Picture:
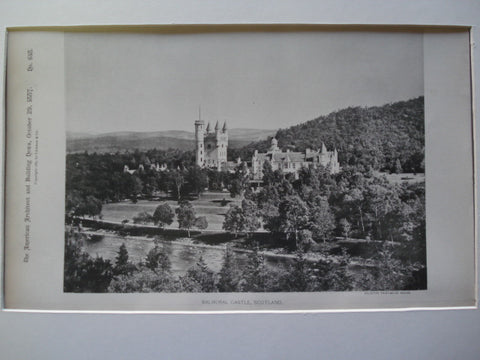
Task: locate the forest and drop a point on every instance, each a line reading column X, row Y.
column 385, row 138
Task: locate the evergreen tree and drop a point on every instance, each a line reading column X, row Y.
column 254, row 277
column 200, row 278
column 299, row 277
column 228, row 275
column 82, row 273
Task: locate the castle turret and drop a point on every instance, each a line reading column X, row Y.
column 274, row 145
column 217, row 130
column 324, row 148
column 211, row 147
column 199, row 148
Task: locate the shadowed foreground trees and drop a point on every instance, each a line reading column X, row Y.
column 237, row 273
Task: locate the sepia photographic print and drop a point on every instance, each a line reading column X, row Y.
column 244, row 162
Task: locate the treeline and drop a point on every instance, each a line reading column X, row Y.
column 319, row 206
column 386, row 138
column 154, row 273
column 94, row 179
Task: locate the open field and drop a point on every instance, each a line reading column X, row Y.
column 209, row 205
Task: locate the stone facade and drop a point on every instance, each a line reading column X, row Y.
column 211, row 151
column 292, row 162
column 211, row 146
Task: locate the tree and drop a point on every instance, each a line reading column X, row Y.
column 197, row 180
column 200, row 278
column 293, row 216
column 137, row 188
column 185, row 216
column 268, row 174
column 239, row 180
column 228, row 274
column 398, row 167
column 355, row 198
column 251, row 216
column 122, row 265
column 163, row 215
column 234, row 221
column 389, row 273
column 91, row 206
column 216, row 179
column 73, row 204
column 254, row 277
column 178, row 180
column 270, row 215
column 345, row 227
column 299, row 277
column 142, row 217
column 245, row 219
column 305, row 240
column 322, row 221
column 83, row 273
column 380, row 199
column 122, row 256
column 201, row 222
column 144, row 281
column 157, row 261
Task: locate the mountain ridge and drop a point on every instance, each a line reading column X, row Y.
column 143, row 140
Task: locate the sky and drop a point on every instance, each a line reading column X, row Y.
column 157, row 82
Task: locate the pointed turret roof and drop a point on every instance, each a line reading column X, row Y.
column 216, row 126
column 324, row 149
column 208, row 127
column 224, row 126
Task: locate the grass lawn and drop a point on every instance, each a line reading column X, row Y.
column 209, row 205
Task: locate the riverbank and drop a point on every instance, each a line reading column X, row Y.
column 185, row 241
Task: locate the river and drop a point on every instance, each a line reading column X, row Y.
column 183, row 253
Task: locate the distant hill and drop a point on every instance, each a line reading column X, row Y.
column 162, row 140
column 383, row 137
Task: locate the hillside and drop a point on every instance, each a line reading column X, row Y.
column 376, row 136
column 161, row 140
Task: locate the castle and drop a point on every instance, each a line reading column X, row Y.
column 211, row 151
column 211, row 146
column 291, row 161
